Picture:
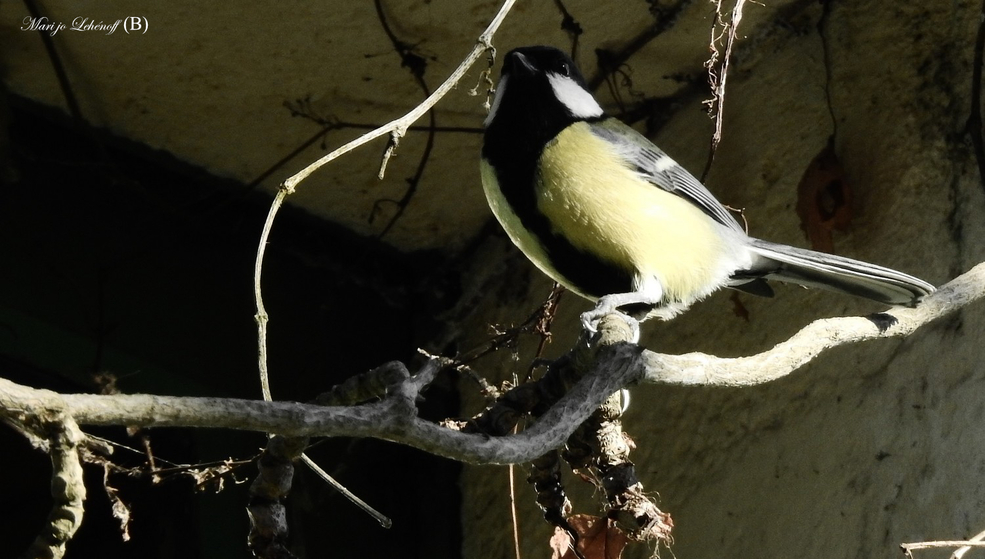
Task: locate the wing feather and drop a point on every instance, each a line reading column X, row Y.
column 659, row 169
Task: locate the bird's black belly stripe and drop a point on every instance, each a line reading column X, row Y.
column 587, row 273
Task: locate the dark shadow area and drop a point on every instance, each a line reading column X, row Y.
column 121, row 263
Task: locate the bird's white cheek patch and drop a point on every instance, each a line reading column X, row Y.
column 580, row 103
column 500, row 89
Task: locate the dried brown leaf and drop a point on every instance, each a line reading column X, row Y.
column 121, row 511
column 598, row 538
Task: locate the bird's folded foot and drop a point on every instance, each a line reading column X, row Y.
column 590, row 321
column 610, row 304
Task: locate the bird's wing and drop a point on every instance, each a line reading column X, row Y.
column 660, row 169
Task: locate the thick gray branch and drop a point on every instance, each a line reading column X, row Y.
column 395, row 417
column 392, row 419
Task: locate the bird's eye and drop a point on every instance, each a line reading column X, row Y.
column 564, row 69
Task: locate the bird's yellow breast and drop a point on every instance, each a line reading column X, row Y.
column 605, row 208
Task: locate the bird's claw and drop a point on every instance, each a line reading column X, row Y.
column 590, row 321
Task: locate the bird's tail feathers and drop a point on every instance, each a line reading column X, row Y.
column 837, row 273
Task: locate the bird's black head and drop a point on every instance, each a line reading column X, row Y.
column 539, row 93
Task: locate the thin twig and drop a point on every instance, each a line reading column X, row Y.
column 261, row 315
column 909, row 547
column 539, row 322
column 546, row 314
column 330, row 125
column 571, row 26
column 413, row 182
column 378, row 516
column 482, row 45
column 717, row 80
column 301, row 108
column 287, row 158
column 611, row 61
column 513, row 514
column 417, row 65
column 444, row 129
column 960, row 552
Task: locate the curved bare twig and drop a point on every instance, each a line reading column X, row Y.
column 396, row 129
column 816, row 337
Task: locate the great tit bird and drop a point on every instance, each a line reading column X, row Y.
column 604, row 212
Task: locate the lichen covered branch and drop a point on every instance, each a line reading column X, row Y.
column 395, row 419
column 812, row 340
column 62, row 438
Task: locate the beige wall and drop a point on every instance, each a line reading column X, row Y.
column 869, row 446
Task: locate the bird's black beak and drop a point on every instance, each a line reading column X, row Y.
column 517, row 62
